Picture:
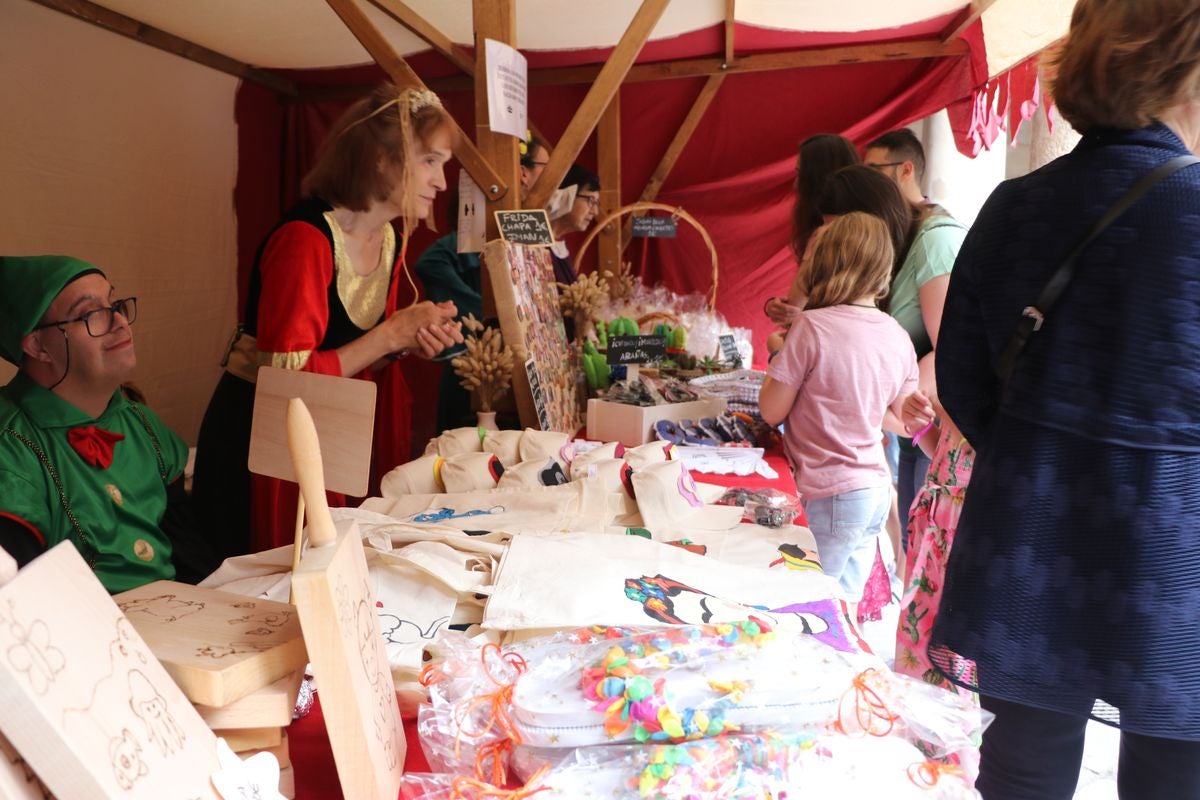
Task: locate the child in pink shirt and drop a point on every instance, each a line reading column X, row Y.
column 844, row 365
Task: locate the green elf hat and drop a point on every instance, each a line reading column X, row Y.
column 28, row 285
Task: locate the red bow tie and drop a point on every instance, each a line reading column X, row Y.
column 94, row 445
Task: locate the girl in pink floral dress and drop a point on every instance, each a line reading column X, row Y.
column 932, row 522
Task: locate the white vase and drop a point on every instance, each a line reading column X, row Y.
column 487, row 420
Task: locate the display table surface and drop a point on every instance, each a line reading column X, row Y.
column 308, row 743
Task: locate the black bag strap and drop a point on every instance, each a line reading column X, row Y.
column 1034, row 315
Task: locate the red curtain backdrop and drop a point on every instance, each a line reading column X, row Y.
column 735, row 176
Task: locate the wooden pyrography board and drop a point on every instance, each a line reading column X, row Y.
column 271, row 705
column 343, row 410
column 358, row 696
column 532, row 324
column 84, row 700
column 17, row 779
column 218, row 646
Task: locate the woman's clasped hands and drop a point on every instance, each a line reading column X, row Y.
column 426, row 326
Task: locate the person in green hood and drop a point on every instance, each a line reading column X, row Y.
column 79, row 461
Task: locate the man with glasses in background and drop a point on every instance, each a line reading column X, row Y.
column 575, row 219
column 899, row 155
column 78, row 460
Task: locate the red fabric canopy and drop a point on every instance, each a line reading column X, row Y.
column 735, row 176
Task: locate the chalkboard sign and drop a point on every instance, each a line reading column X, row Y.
column 636, row 349
column 656, row 227
column 729, row 349
column 531, row 227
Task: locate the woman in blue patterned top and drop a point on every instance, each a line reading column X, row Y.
column 1074, row 584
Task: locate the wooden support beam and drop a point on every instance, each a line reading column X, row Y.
column 496, row 20
column 607, row 82
column 675, row 148
column 729, row 50
column 410, row 19
column 759, row 62
column 701, row 67
column 971, row 13
column 403, row 76
column 608, row 153
column 140, row 32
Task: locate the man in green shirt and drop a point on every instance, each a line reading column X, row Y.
column 79, row 461
column 919, row 287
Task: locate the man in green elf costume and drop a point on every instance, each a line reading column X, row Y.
column 78, row 460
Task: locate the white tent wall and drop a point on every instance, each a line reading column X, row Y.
column 958, row 182
column 125, row 156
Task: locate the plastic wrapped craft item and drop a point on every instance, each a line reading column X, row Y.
column 466, row 728
column 760, row 766
column 445, row 786
column 679, row 683
column 598, row 686
column 945, row 726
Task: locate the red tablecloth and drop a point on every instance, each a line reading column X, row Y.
column 308, row 744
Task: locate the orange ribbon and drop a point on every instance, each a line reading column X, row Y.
column 498, row 704
column 926, row 774
column 463, row 788
column 868, row 707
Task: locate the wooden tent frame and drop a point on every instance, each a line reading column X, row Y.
column 491, row 159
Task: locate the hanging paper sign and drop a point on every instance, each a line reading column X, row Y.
column 472, row 219
column 729, row 349
column 531, row 227
column 561, row 202
column 655, row 227
column 636, row 349
column 507, row 89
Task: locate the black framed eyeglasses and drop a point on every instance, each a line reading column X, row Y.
column 592, row 200
column 884, row 164
column 99, row 321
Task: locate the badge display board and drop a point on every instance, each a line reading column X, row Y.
column 532, row 324
column 86, row 703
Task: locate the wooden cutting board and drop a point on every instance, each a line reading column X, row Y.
column 343, row 410
column 269, row 706
column 17, row 779
column 280, row 751
column 242, row 740
column 84, row 700
column 337, row 611
column 218, row 646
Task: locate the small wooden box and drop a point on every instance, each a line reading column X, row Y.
column 633, row 425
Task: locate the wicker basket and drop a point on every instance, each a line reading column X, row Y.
column 676, row 213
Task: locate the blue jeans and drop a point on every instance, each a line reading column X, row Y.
column 845, row 527
column 914, row 464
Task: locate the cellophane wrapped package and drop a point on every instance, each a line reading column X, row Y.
column 569, row 699
column 760, row 766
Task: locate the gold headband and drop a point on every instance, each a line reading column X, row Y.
column 418, row 99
